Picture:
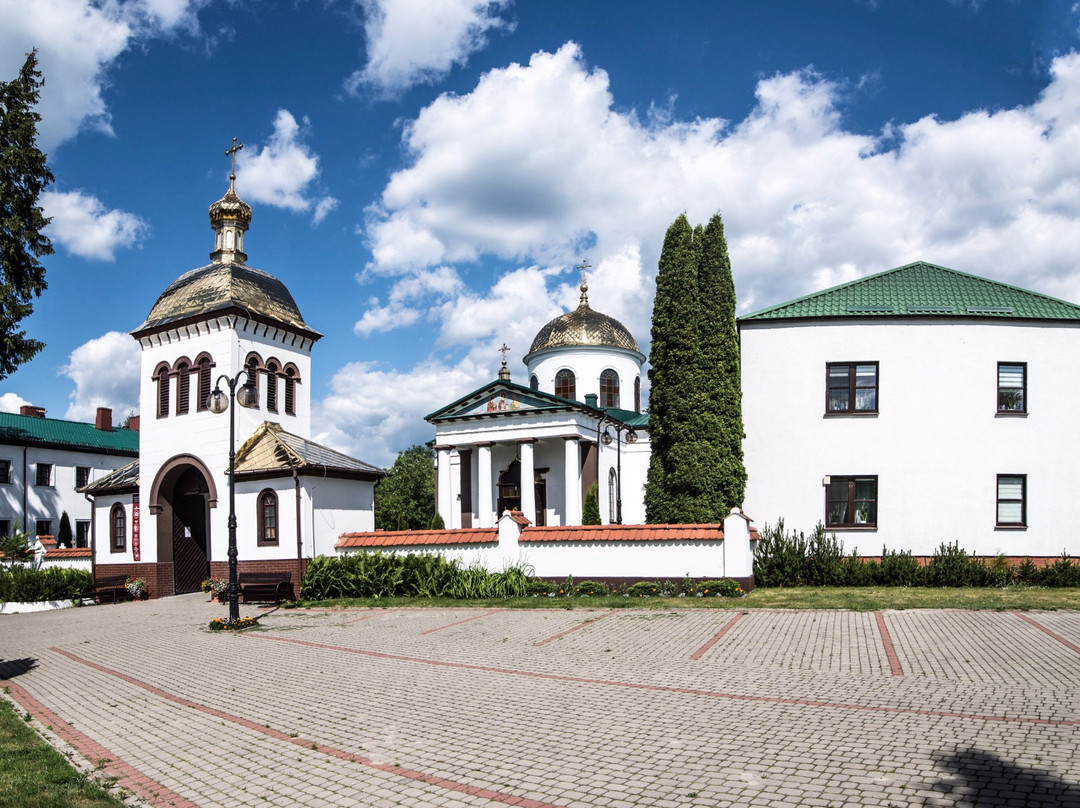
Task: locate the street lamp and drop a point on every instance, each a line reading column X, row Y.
column 607, row 438
column 247, row 396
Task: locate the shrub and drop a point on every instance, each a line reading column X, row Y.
column 725, row 588
column 780, row 557
column 1063, row 572
column 591, row 589
column 823, row 564
column 643, row 589
column 950, row 566
column 28, row 585
column 898, row 568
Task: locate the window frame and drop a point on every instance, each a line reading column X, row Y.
column 998, row 502
column 203, row 366
column 1022, row 409
column 267, row 495
column 852, row 388
column 608, row 392
column 82, row 526
column 117, row 519
column 49, row 472
column 84, row 472
column 851, row 481
column 48, row 531
column 569, row 389
column 5, row 471
column 5, row 527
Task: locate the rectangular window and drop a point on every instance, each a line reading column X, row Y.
column 1012, row 500
column 852, row 387
column 44, row 474
column 1012, row 387
column 44, row 527
column 851, row 502
column 82, row 476
column 5, row 472
column 82, row 533
column 5, row 527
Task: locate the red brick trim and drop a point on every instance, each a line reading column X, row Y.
column 890, row 650
column 578, row 627
column 699, row 653
column 459, row 622
column 1048, row 632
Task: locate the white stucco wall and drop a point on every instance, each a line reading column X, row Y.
column 937, row 443
column 587, row 363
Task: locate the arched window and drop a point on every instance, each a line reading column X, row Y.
column 183, row 387
column 292, row 376
column 118, row 528
column 268, row 517
column 253, row 364
column 205, row 364
column 534, row 383
column 565, row 384
column 609, row 389
column 612, row 487
column 637, row 394
column 161, row 376
column 271, row 385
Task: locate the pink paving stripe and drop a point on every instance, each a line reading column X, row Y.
column 308, row 743
column 373, row 614
column 459, row 622
column 578, row 627
column 1048, row 632
column 126, row 775
column 890, row 649
column 699, row 653
column 686, row 691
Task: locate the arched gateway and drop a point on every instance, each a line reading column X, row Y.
column 182, row 495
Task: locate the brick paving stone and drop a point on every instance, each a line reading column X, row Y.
column 461, row 707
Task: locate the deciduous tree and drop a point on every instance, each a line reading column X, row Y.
column 405, row 499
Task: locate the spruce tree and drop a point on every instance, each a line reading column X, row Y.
column 696, row 474
column 63, row 535
column 24, row 174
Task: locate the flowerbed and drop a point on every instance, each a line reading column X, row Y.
column 239, row 624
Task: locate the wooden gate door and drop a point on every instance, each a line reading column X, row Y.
column 190, row 564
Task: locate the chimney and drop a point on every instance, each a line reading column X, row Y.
column 104, row 419
column 32, row 411
column 591, row 400
column 133, row 423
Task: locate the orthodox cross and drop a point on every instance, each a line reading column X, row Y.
column 583, row 266
column 231, row 153
column 503, row 351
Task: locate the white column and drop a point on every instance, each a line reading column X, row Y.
column 484, row 484
column 446, row 493
column 571, row 482
column 528, row 486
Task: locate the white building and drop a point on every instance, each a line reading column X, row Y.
column 540, row 448
column 166, row 518
column 45, row 461
column 913, row 407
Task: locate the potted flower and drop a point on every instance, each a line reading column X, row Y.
column 136, row 587
column 218, row 587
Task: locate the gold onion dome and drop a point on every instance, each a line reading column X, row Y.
column 584, row 327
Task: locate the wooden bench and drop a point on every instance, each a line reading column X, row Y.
column 112, row 588
column 274, row 586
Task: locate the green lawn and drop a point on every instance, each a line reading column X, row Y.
column 855, row 598
column 34, row 775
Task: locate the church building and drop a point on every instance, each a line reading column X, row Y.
column 540, row 448
column 223, row 335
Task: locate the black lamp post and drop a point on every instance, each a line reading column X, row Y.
column 247, row 396
column 607, row 438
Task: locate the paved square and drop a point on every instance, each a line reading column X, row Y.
column 616, row 708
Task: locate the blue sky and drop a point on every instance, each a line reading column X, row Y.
column 424, row 175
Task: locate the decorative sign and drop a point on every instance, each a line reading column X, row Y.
column 503, row 402
column 135, row 525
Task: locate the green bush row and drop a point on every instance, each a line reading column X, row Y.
column 642, row 589
column 377, row 574
column 21, row 584
column 794, row 559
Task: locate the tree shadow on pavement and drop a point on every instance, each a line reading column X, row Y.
column 10, row 668
column 983, row 779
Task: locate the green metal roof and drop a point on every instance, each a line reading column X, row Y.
column 922, row 290
column 26, row 430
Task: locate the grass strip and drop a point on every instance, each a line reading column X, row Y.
column 34, row 775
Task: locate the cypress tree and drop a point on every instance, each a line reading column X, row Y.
column 696, row 473
column 23, row 176
column 721, row 371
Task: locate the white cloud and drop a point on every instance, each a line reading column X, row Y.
column 282, row 172
column 12, row 402
column 494, row 178
column 77, row 41
column 419, row 41
column 106, row 374
column 84, row 227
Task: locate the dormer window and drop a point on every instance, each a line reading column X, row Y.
column 565, row 384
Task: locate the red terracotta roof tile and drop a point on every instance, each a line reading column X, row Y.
column 520, row 518
column 418, row 538
column 623, row 533
column 67, row 552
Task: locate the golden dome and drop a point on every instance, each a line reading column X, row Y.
column 221, row 287
column 584, row 327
